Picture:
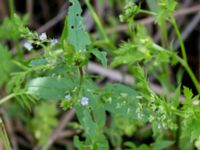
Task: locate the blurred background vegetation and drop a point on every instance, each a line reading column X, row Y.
column 47, row 124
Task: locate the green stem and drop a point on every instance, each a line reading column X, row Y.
column 184, row 64
column 96, row 19
column 12, row 8
column 147, row 12
column 20, row 65
column 103, row 43
column 163, row 28
column 131, row 29
column 190, row 73
column 5, row 99
column 183, row 50
column 4, row 137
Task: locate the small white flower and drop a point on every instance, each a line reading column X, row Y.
column 53, row 42
column 43, row 36
column 195, row 102
column 68, row 97
column 28, row 46
column 84, row 101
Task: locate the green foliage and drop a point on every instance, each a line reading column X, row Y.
column 78, row 37
column 129, row 12
column 44, row 122
column 13, row 28
column 4, row 137
column 108, row 113
column 101, row 56
column 5, row 64
column 50, row 88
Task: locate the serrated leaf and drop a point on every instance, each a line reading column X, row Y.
column 187, row 92
column 77, row 35
column 50, row 88
column 101, row 56
column 13, row 28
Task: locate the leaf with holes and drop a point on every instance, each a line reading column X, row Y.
column 77, row 35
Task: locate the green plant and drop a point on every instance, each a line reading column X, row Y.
column 59, row 76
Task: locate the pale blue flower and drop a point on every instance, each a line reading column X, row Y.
column 68, row 97
column 84, row 101
column 28, row 46
column 53, row 42
column 43, row 36
column 196, row 102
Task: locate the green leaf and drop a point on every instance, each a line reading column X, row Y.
column 101, row 56
column 187, row 92
column 44, row 121
column 153, row 5
column 162, row 144
column 13, row 28
column 37, row 62
column 120, row 100
column 5, row 64
column 77, row 36
column 128, row 53
column 50, row 88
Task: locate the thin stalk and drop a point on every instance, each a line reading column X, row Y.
column 4, row 137
column 163, row 28
column 7, row 98
column 131, row 29
column 183, row 50
column 185, row 65
column 103, row 43
column 96, row 19
column 190, row 73
column 20, row 65
column 11, row 8
column 147, row 12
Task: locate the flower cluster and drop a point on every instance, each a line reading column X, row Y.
column 42, row 38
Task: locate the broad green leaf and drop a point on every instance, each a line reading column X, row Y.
column 94, row 132
column 120, row 100
column 5, row 64
column 77, row 35
column 50, row 88
column 101, row 56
